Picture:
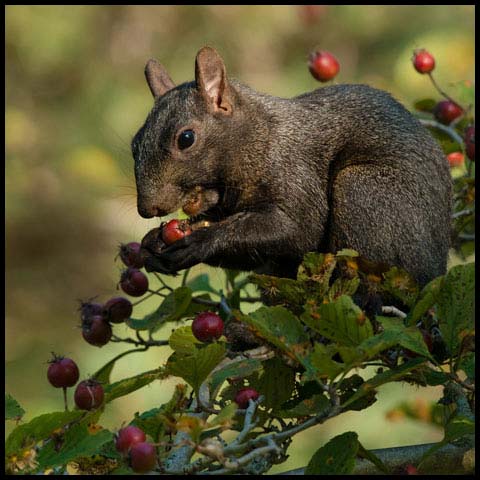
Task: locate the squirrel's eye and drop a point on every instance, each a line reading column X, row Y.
column 186, row 139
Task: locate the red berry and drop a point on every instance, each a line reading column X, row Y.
column 470, row 142
column 130, row 254
column 207, row 326
column 97, row 331
column 323, row 65
column 423, row 61
column 127, row 437
column 62, row 372
column 446, row 111
column 134, row 282
column 117, row 309
column 88, row 395
column 244, row 395
column 175, row 230
column 455, row 159
column 411, row 470
column 89, row 309
column 143, row 457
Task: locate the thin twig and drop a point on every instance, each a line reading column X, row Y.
column 394, row 310
column 441, row 92
column 142, row 342
column 444, row 128
column 462, row 213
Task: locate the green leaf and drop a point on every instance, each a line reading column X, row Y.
column 455, row 308
column 385, row 377
column 183, row 341
column 38, row 429
column 401, row 285
column 280, row 327
column 226, row 414
column 315, row 271
column 458, row 427
column 425, row 105
column 340, row 321
column 78, row 442
column 13, row 410
column 467, row 364
column 129, row 385
column 343, row 286
column 316, row 405
column 371, row 457
column 407, row 337
column 239, row 369
column 171, row 309
column 346, row 252
column 427, row 298
column 283, row 289
column 194, row 368
column 103, row 374
column 201, row 283
column 319, row 363
column 232, row 275
column 276, row 383
column 337, row 457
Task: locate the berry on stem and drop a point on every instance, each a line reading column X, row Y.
column 143, row 457
column 207, row 326
column 127, row 437
column 423, row 61
column 175, row 230
column 447, row 111
column 455, row 159
column 117, row 309
column 244, row 395
column 323, row 65
column 130, row 254
column 62, row 372
column 88, row 395
column 89, row 309
column 134, row 282
column 97, row 331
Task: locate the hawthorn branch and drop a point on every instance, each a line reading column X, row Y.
column 444, row 128
column 394, row 310
column 140, row 342
column 462, row 213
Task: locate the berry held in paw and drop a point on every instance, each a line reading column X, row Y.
column 175, row 230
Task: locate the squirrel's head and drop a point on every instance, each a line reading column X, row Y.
column 182, row 144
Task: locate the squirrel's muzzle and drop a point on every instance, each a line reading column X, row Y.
column 159, row 203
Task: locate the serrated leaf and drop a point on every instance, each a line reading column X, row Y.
column 319, row 363
column 201, row 283
column 129, row 385
column 171, row 309
column 401, row 285
column 38, row 429
column 337, row 457
column 13, row 410
column 456, row 303
column 341, row 321
column 407, row 337
column 389, row 376
column 241, row 368
column 280, row 327
column 78, row 442
column 284, row 289
column 343, row 286
column 276, row 383
column 427, row 298
column 194, row 368
column 183, row 341
column 425, row 105
column 103, row 374
column 315, row 405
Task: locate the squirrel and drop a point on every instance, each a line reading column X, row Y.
column 343, row 166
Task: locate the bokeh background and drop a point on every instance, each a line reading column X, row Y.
column 75, row 96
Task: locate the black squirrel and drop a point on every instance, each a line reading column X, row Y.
column 344, row 166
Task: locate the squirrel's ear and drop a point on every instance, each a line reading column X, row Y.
column 158, row 79
column 211, row 79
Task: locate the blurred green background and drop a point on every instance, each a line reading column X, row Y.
column 75, row 96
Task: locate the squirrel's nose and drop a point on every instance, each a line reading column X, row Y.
column 149, row 211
